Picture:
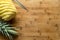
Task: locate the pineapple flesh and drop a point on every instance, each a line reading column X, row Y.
column 8, row 9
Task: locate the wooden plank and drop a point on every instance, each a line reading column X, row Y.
column 41, row 22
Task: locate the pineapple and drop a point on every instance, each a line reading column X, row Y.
column 7, row 12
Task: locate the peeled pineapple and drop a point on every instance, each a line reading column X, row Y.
column 8, row 10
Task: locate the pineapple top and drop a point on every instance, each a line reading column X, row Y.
column 7, row 30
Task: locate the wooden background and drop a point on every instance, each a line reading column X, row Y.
column 41, row 22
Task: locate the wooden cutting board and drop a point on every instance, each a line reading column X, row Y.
column 41, row 22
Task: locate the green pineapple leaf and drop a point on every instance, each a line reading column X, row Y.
column 12, row 32
column 8, row 35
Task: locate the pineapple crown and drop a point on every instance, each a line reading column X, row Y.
column 7, row 30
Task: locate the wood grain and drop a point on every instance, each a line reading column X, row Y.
column 41, row 22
